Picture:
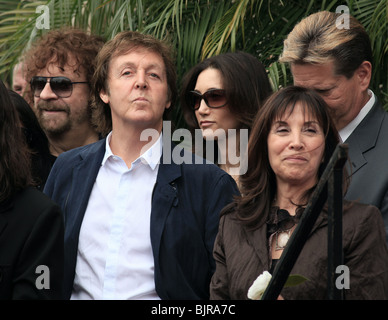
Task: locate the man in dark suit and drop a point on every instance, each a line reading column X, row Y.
column 139, row 224
column 331, row 53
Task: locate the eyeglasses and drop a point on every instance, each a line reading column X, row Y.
column 61, row 86
column 215, row 98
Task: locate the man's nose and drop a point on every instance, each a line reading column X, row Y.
column 47, row 93
column 141, row 82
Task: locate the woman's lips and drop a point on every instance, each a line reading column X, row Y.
column 205, row 124
column 295, row 158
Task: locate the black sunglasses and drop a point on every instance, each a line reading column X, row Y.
column 215, row 98
column 61, row 86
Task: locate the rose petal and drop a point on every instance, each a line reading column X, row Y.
column 259, row 285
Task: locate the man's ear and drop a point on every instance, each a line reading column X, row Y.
column 364, row 74
column 104, row 96
column 168, row 105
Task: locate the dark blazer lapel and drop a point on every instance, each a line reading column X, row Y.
column 365, row 136
column 83, row 178
column 356, row 157
column 165, row 195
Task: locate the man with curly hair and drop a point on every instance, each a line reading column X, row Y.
column 59, row 69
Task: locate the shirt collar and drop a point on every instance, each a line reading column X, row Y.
column 347, row 131
column 151, row 156
column 108, row 151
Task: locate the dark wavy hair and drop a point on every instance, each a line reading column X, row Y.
column 245, row 82
column 246, row 85
column 37, row 142
column 258, row 185
column 15, row 170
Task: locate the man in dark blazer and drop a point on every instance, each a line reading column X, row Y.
column 148, row 231
column 331, row 53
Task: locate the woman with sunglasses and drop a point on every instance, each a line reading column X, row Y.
column 31, row 224
column 220, row 97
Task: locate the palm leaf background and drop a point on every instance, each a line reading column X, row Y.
column 196, row 28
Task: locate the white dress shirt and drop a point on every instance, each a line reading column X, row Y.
column 115, row 259
column 352, row 125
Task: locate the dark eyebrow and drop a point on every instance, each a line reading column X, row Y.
column 122, row 66
column 126, row 64
column 285, row 123
column 130, row 64
column 280, row 123
column 312, row 122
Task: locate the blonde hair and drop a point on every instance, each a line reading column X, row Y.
column 319, row 39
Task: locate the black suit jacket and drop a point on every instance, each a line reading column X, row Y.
column 186, row 202
column 31, row 235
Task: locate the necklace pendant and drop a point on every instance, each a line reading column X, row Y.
column 282, row 239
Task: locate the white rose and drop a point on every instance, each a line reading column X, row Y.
column 259, row 285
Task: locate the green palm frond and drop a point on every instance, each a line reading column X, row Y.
column 196, row 28
column 373, row 14
column 226, row 28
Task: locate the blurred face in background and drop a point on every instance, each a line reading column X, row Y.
column 19, row 82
